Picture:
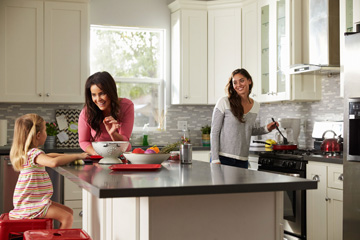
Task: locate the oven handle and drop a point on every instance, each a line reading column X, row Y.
column 287, row 174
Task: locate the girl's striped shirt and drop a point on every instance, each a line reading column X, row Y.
column 33, row 189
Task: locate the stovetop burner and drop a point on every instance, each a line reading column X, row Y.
column 289, row 159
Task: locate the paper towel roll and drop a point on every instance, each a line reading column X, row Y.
column 3, row 132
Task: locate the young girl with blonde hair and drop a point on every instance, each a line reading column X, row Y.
column 34, row 187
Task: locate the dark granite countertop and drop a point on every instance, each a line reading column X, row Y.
column 178, row 179
column 326, row 159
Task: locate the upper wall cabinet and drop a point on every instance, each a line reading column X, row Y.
column 249, row 44
column 188, row 53
column 224, row 47
column 274, row 49
column 279, row 46
column 347, row 20
column 43, row 51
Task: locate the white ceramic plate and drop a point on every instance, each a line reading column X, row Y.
column 138, row 158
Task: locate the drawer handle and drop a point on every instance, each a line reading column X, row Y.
column 341, row 177
column 316, row 178
column 81, row 213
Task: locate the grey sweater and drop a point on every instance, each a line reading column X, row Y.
column 230, row 137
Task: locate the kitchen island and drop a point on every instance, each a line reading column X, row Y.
column 196, row 201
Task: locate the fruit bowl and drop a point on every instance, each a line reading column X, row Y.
column 156, row 158
column 110, row 151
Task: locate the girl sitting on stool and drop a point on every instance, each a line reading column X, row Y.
column 34, row 187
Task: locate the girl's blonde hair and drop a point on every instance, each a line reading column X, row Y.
column 25, row 130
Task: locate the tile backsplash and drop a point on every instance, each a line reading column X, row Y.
column 329, row 108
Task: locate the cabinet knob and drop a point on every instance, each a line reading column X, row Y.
column 327, row 199
column 186, row 96
column 341, row 177
column 48, row 94
column 81, row 213
column 316, row 178
column 40, row 95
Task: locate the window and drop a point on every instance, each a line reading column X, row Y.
column 135, row 58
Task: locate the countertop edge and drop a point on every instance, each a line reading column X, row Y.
column 188, row 190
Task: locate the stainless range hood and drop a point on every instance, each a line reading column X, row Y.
column 324, row 39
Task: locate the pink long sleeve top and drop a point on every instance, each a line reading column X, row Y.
column 126, row 115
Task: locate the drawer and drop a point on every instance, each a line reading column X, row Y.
column 335, row 177
column 71, row 191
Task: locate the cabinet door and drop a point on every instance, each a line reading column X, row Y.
column 274, row 56
column 66, row 52
column 316, row 209
column 203, row 156
column 335, row 214
column 189, row 57
column 335, row 176
column 21, row 51
column 249, row 44
column 224, row 49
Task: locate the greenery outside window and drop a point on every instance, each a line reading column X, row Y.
column 135, row 58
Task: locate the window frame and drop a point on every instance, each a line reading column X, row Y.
column 160, row 81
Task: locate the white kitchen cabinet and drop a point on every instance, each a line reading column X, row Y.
column 347, row 19
column 253, row 162
column 43, row 51
column 324, row 205
column 249, row 43
column 203, row 156
column 224, row 47
column 188, row 53
column 73, row 199
column 280, row 38
column 274, row 50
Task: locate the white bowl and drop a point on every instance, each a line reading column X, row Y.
column 138, row 158
column 110, row 150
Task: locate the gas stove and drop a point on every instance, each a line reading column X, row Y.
column 290, row 159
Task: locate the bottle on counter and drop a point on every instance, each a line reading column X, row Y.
column 145, row 134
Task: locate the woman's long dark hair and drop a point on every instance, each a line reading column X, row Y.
column 235, row 100
column 106, row 83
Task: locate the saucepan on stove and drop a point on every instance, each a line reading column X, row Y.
column 333, row 144
column 281, row 147
column 283, row 143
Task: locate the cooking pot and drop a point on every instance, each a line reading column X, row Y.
column 331, row 144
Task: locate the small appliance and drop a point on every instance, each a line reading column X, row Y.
column 292, row 128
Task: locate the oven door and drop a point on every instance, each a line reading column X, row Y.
column 294, row 204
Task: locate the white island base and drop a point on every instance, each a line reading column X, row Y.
column 248, row 216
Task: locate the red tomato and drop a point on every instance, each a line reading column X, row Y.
column 138, row 150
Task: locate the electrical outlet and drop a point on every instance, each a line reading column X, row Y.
column 182, row 125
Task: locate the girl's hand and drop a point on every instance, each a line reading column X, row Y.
column 111, row 125
column 83, row 155
column 271, row 126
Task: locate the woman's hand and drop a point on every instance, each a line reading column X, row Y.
column 111, row 125
column 271, row 126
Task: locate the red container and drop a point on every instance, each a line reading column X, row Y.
column 9, row 228
column 73, row 234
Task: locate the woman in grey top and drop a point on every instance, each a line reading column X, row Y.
column 233, row 122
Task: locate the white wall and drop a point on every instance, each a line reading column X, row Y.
column 135, row 13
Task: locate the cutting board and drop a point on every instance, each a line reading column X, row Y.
column 71, row 115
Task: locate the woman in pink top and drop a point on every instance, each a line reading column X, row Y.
column 105, row 117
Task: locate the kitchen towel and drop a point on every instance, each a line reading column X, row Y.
column 3, row 132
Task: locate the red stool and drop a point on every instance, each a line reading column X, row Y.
column 73, row 234
column 11, row 228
